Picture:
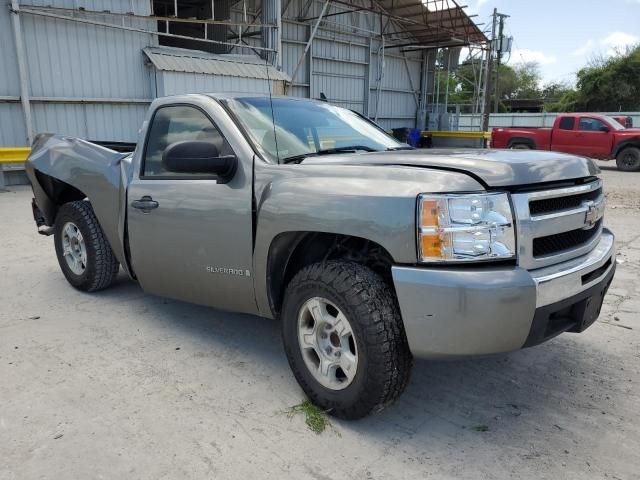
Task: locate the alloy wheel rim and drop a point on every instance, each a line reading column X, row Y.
column 628, row 160
column 74, row 249
column 327, row 343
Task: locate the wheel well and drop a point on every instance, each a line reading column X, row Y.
column 292, row 251
column 57, row 194
column 624, row 145
column 521, row 140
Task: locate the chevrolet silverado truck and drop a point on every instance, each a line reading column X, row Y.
column 587, row 134
column 369, row 252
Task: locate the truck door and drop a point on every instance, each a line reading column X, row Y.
column 564, row 136
column 594, row 138
column 190, row 237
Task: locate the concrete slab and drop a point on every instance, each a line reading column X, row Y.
column 124, row 385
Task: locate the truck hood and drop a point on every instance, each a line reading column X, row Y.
column 493, row 168
column 628, row 132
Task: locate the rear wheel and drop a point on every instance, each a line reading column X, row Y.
column 520, row 146
column 84, row 255
column 344, row 338
column 628, row 160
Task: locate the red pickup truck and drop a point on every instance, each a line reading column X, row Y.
column 625, row 120
column 587, row 134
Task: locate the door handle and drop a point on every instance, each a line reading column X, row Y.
column 146, row 203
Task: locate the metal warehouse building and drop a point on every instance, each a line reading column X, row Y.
column 89, row 68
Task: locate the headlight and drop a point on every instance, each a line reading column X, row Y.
column 465, row 227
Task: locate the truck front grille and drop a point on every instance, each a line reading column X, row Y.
column 547, row 205
column 558, row 224
column 560, row 242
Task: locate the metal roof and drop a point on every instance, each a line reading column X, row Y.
column 438, row 22
column 428, row 23
column 190, row 61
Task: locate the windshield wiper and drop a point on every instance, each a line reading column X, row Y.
column 297, row 158
column 404, row 147
column 327, row 151
column 350, row 148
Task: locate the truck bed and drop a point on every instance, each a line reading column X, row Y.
column 538, row 138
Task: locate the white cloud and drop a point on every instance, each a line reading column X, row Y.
column 519, row 55
column 473, row 6
column 617, row 41
column 584, row 49
column 612, row 44
column 477, row 52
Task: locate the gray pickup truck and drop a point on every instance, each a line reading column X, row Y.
column 369, row 252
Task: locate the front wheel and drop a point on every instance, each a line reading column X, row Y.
column 84, row 255
column 344, row 338
column 628, row 160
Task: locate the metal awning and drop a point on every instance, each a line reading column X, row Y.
column 192, row 61
column 427, row 23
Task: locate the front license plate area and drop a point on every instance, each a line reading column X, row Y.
column 585, row 312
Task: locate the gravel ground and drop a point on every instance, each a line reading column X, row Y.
column 119, row 384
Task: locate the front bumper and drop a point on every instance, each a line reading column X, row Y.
column 450, row 312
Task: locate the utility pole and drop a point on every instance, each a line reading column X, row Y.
column 499, row 48
column 486, row 101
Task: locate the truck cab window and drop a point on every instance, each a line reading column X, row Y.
column 590, row 124
column 566, row 123
column 175, row 124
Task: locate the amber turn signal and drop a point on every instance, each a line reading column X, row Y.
column 431, row 246
column 429, row 213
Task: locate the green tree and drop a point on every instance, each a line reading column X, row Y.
column 604, row 84
column 507, row 82
column 559, row 97
column 569, row 101
column 527, row 80
column 610, row 84
column 463, row 81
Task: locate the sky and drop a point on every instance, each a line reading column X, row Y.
column 562, row 35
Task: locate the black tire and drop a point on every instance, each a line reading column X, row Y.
column 101, row 265
column 384, row 359
column 628, row 160
column 520, row 146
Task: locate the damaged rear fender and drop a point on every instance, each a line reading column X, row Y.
column 63, row 169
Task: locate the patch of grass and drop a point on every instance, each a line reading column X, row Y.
column 315, row 418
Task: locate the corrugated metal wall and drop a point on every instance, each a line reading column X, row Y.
column 85, row 80
column 12, row 129
column 344, row 64
column 399, row 91
column 92, row 81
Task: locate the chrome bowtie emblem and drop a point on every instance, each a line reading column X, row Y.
column 594, row 212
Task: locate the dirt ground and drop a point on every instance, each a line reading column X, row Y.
column 127, row 386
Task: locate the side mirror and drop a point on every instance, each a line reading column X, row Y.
column 604, row 128
column 198, row 157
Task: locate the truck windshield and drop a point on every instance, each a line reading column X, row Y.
column 306, row 128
